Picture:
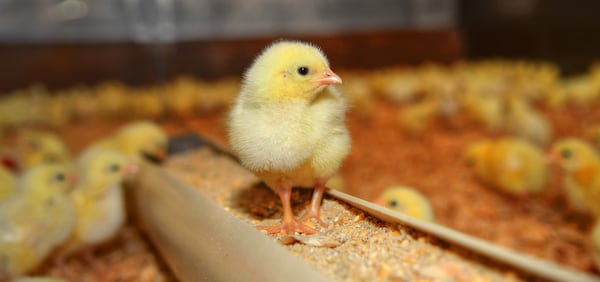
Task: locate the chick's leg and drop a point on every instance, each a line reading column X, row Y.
column 315, row 205
column 289, row 225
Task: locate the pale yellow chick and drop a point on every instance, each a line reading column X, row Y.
column 524, row 121
column 138, row 140
column 415, row 118
column 98, row 198
column 288, row 125
column 512, row 165
column 37, row 147
column 37, row 219
column 408, row 201
column 581, row 165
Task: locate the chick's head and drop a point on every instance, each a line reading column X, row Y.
column 143, row 139
column 408, row 201
column 475, row 153
column 289, row 69
column 101, row 169
column 35, row 147
column 52, row 178
column 573, row 154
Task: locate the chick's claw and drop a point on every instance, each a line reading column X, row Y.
column 312, row 214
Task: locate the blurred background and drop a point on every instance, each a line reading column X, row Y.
column 62, row 42
column 426, row 80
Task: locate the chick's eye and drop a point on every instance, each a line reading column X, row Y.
column 393, row 203
column 114, row 168
column 566, row 154
column 60, row 177
column 303, row 71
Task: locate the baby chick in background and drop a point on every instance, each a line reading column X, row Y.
column 8, row 183
column 288, row 125
column 581, row 165
column 138, row 140
column 512, row 165
column 37, row 219
column 524, row 121
column 415, row 118
column 36, row 147
column 408, row 201
column 98, row 199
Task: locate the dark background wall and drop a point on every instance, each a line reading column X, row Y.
column 65, row 42
column 565, row 32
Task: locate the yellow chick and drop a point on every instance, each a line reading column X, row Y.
column 183, row 97
column 288, row 125
column 98, row 199
column 408, row 201
column 415, row 118
column 37, row 219
column 138, row 140
column 8, row 183
column 512, row 165
column 112, row 99
column 581, row 165
column 486, row 110
column 524, row 121
column 36, row 147
column 595, row 237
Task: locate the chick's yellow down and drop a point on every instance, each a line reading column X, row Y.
column 288, row 124
column 512, row 165
column 581, row 165
column 36, row 147
column 138, row 140
column 34, row 221
column 408, row 201
column 8, row 183
column 98, row 198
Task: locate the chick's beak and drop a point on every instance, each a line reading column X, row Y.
column 131, row 169
column 72, row 179
column 329, row 77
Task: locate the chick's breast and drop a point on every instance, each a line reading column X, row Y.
column 300, row 139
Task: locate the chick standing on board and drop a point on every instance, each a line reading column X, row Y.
column 408, row 201
column 288, row 125
column 35, row 220
column 138, row 140
column 98, row 199
column 512, row 165
column 581, row 165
